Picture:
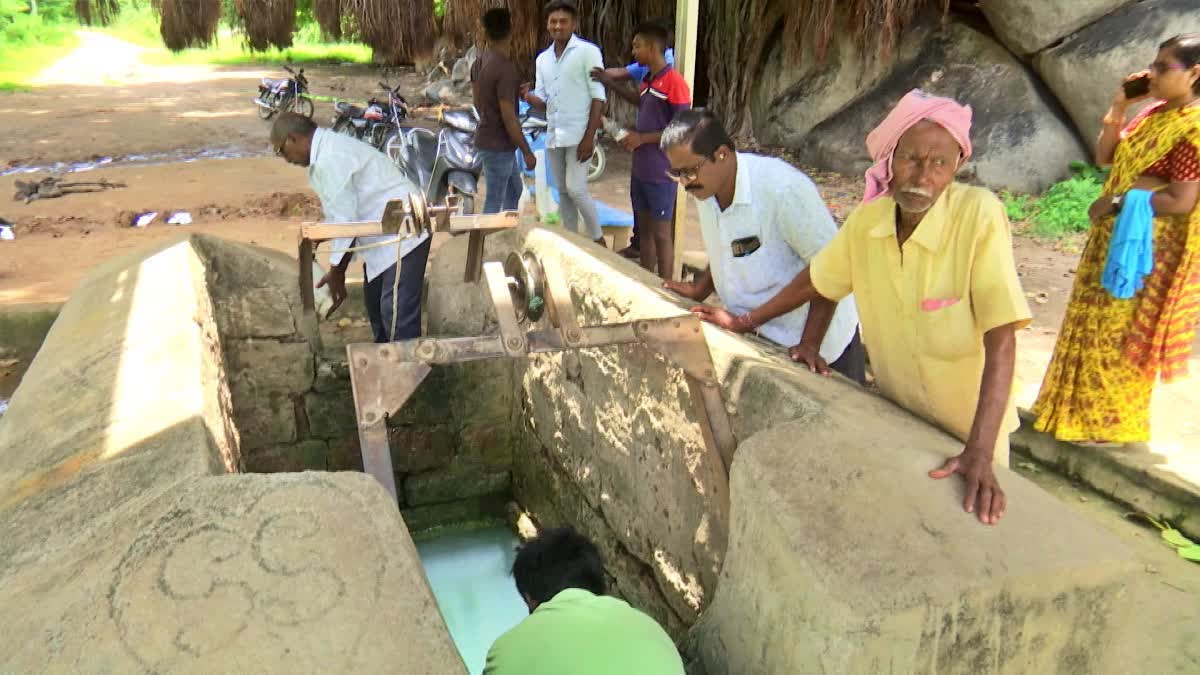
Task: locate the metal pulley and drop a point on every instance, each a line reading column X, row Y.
column 527, row 285
column 413, row 217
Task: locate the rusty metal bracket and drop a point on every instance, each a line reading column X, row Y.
column 381, row 385
column 385, row 376
column 406, row 218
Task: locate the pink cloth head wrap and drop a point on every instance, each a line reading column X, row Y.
column 913, row 108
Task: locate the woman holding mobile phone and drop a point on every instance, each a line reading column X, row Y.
column 1111, row 350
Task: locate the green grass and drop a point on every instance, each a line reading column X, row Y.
column 231, row 53
column 1062, row 210
column 140, row 26
column 20, row 64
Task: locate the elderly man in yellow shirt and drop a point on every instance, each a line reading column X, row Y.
column 930, row 264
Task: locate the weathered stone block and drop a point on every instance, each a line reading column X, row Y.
column 345, row 454
column 270, row 366
column 846, row 558
column 460, row 482
column 487, row 443
column 260, row 312
column 332, row 375
column 476, row 509
column 430, row 403
column 121, row 551
column 480, row 390
column 307, row 455
column 554, row 500
column 420, row 448
column 330, row 415
column 263, row 419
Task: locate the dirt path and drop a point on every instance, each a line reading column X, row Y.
column 102, row 101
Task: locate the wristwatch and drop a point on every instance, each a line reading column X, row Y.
column 1116, row 203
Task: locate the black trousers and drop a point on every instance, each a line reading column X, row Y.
column 378, row 294
column 853, row 361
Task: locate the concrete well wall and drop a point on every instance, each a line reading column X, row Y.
column 292, row 401
column 837, row 552
column 129, row 543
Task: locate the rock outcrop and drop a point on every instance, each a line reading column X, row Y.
column 1020, row 139
column 1085, row 71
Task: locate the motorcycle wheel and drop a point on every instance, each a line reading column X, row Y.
column 391, row 147
column 304, row 106
column 597, row 164
column 267, row 113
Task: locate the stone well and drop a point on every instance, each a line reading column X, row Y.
column 179, row 492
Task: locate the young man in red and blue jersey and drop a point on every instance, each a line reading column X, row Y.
column 663, row 92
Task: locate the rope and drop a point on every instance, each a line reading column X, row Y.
column 398, row 242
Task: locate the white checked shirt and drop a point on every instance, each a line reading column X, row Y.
column 565, row 84
column 780, row 205
column 354, row 182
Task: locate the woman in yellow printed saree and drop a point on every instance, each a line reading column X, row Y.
column 1110, row 351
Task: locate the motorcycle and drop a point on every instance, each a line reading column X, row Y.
column 375, row 123
column 285, row 95
column 442, row 161
column 533, row 125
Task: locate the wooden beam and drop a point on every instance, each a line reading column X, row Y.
column 687, row 19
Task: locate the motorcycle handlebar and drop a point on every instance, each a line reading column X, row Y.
column 290, row 70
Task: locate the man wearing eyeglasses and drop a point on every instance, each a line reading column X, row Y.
column 930, row 263
column 763, row 221
column 355, row 182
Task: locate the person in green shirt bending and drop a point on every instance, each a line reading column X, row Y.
column 572, row 626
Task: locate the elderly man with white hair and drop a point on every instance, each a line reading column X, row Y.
column 930, row 264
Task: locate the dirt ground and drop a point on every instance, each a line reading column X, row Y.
column 101, row 101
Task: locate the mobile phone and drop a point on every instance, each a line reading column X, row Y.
column 1137, row 87
column 744, row 246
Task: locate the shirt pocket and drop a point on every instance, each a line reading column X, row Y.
column 762, row 270
column 947, row 326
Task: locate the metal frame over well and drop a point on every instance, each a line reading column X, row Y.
column 535, row 315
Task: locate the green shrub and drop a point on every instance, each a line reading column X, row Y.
column 1018, row 207
column 1062, row 210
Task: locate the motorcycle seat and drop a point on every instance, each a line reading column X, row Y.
column 423, row 143
column 348, row 110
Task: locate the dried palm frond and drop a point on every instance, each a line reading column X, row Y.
column 399, row 31
column 738, row 35
column 267, row 23
column 610, row 23
column 328, row 14
column 96, row 12
column 188, row 23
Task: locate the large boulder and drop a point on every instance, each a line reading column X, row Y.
column 845, row 558
column 1029, row 26
column 1085, row 70
column 790, row 98
column 1020, row 139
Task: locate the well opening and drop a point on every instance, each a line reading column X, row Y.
column 483, row 443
